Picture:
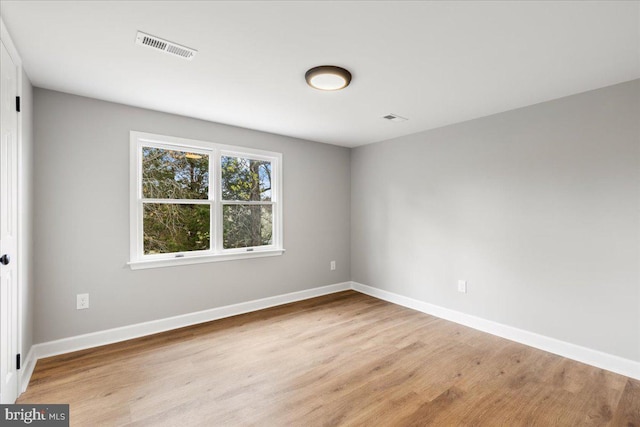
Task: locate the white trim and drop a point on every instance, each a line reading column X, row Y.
column 110, row 336
column 216, row 252
column 172, row 262
column 7, row 41
column 586, row 355
column 571, row 351
column 28, row 365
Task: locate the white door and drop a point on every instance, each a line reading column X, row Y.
column 8, row 228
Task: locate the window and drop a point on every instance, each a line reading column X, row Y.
column 196, row 201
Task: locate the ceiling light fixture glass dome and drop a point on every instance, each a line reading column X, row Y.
column 328, row 77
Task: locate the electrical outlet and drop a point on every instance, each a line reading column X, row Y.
column 332, row 266
column 462, row 286
column 82, row 301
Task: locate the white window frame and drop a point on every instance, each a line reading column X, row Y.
column 139, row 260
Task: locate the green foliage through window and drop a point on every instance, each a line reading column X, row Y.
column 247, row 225
column 246, row 180
column 172, row 174
column 175, row 175
column 170, row 227
column 177, row 204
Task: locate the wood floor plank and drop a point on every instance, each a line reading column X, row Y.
column 627, row 413
column 342, row 359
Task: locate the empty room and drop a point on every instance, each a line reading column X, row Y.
column 320, row 213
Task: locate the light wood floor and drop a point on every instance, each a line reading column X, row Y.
column 342, row 359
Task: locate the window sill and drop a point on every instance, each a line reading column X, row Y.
column 171, row 262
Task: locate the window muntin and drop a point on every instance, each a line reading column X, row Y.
column 202, row 201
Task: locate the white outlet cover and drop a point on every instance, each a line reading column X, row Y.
column 82, row 301
column 462, row 286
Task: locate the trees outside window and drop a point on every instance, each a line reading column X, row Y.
column 246, row 194
column 174, row 185
column 197, row 199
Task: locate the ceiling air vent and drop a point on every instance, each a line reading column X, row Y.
column 165, row 46
column 395, row 118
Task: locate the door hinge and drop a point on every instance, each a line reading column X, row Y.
column 18, row 361
column 18, row 104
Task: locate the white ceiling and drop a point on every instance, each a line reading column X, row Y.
column 435, row 63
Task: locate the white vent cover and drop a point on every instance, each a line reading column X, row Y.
column 165, row 46
column 395, row 118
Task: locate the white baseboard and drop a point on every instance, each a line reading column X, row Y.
column 596, row 358
column 28, row 364
column 586, row 355
column 110, row 336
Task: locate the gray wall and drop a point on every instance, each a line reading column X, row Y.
column 82, row 220
column 25, row 262
column 537, row 208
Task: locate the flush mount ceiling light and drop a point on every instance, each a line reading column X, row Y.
column 328, row 77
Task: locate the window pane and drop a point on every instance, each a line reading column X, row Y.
column 174, row 174
column 245, row 179
column 175, row 228
column 247, row 225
